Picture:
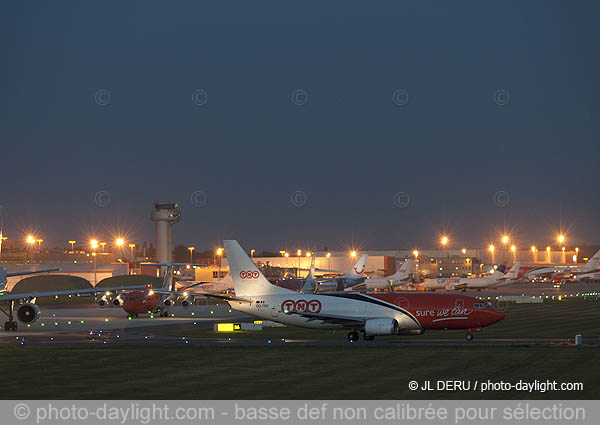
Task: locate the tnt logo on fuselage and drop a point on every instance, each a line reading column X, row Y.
column 309, row 306
column 249, row 274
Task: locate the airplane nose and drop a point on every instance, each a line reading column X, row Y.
column 494, row 316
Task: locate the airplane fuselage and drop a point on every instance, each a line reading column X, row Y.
column 413, row 312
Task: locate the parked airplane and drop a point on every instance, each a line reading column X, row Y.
column 377, row 314
column 158, row 301
column 27, row 311
column 355, row 276
column 552, row 271
column 401, row 277
column 497, row 278
column 592, row 275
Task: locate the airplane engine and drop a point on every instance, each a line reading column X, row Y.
column 169, row 301
column 28, row 313
column 381, row 327
column 186, row 302
column 118, row 301
column 104, row 301
column 450, row 287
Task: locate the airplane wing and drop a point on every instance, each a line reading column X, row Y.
column 31, row 272
column 201, row 294
column 77, row 292
column 333, row 319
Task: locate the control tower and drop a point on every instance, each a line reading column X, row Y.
column 165, row 215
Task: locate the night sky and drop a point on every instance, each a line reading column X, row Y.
column 302, row 125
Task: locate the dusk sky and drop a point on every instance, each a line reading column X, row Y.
column 303, row 124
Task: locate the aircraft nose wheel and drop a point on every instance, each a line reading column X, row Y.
column 469, row 337
column 352, row 336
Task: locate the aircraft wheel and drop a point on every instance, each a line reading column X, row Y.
column 7, row 326
column 369, row 337
column 352, row 336
column 469, row 337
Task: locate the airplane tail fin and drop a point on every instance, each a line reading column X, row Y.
column 593, row 262
column 513, row 273
column 405, row 268
column 311, row 272
column 358, row 270
column 248, row 281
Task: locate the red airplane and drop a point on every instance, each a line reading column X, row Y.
column 155, row 301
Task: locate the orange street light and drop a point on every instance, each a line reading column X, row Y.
column 191, row 249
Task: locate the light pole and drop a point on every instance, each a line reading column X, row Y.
column 94, row 244
column 298, row 253
column 220, row 254
column 73, row 245
column 491, row 248
column 534, row 253
column 444, row 242
column 514, row 251
column 329, row 262
column 191, row 249
column 548, row 258
column 39, row 241
column 103, row 244
column 30, row 240
column 131, row 246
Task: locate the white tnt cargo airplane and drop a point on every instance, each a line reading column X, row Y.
column 377, row 314
column 590, row 266
column 461, row 283
column 400, row 278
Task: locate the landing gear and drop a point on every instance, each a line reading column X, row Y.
column 469, row 337
column 352, row 336
column 369, row 337
column 10, row 325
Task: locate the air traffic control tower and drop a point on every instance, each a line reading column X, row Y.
column 165, row 215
